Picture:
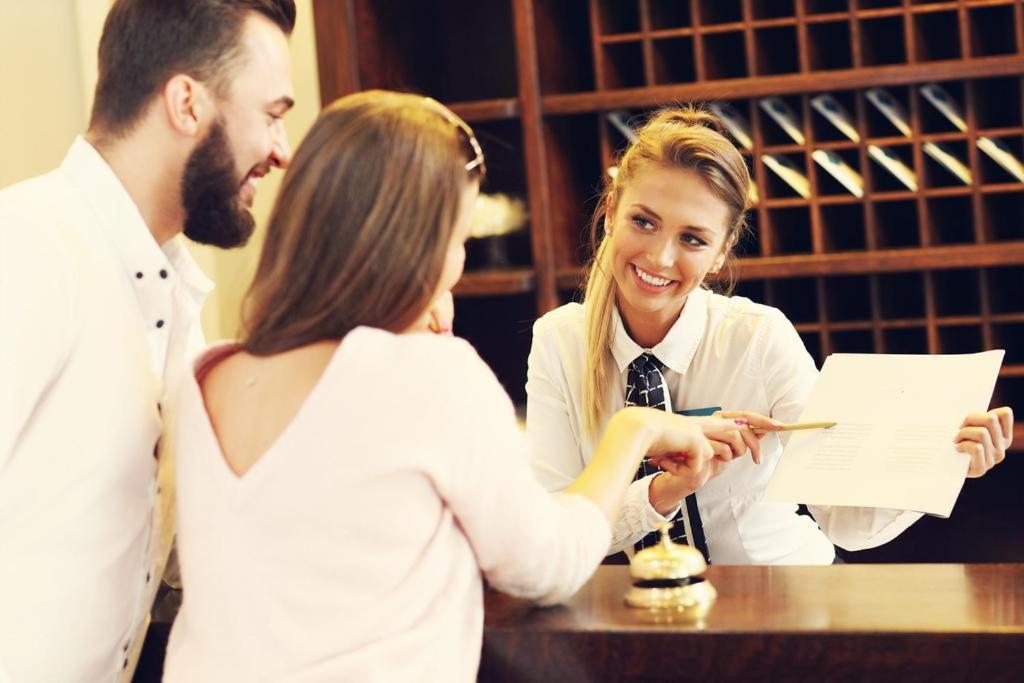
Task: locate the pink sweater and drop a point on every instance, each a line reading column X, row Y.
column 355, row 548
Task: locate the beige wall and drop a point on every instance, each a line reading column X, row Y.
column 40, row 84
column 47, row 74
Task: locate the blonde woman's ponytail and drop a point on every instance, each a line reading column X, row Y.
column 598, row 367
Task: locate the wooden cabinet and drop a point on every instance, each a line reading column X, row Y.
column 938, row 268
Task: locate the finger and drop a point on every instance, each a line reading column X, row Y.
column 702, row 477
column 707, row 451
column 990, row 449
column 755, row 420
column 694, row 458
column 975, row 452
column 694, row 478
column 658, row 461
column 678, row 468
column 717, row 467
column 1005, row 415
column 977, row 420
column 735, row 443
column 731, row 440
column 971, row 420
column 435, row 324
column 1000, row 441
column 710, row 425
column 672, row 465
column 753, row 444
column 990, row 422
column 981, row 460
column 722, row 451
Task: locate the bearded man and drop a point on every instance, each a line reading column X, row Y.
column 99, row 311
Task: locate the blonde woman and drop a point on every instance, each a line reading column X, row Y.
column 651, row 333
column 347, row 481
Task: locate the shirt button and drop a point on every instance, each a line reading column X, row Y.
column 138, row 275
column 159, row 324
column 163, row 274
column 148, row 577
column 125, row 665
column 125, row 647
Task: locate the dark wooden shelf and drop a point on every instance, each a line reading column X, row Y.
column 835, row 144
column 635, row 37
column 1000, row 132
column 952, row 191
column 493, row 282
column 731, row 27
column 827, row 18
column 879, row 12
column 791, row 148
column 664, row 33
column 833, row 199
column 783, row 202
column 934, row 7
column 891, row 260
column 957, row 320
column 575, row 103
column 908, row 323
column 895, row 195
column 943, row 137
column 846, row 263
column 487, row 110
column 995, row 188
column 773, row 23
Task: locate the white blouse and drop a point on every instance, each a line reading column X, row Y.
column 723, row 352
column 356, row 547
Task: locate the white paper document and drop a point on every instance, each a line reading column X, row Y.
column 893, row 444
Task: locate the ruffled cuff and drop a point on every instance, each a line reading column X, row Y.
column 637, row 517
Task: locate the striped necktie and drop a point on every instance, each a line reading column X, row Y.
column 645, row 386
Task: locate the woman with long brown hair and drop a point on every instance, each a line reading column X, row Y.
column 346, row 480
column 651, row 332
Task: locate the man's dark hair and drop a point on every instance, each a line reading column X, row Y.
column 146, row 42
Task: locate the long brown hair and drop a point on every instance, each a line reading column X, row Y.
column 684, row 137
column 362, row 222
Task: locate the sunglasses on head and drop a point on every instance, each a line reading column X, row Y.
column 476, row 163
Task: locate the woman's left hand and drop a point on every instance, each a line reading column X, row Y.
column 745, row 438
column 442, row 314
column 985, row 437
column 439, row 318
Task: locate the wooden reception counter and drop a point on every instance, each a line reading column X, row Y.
column 842, row 622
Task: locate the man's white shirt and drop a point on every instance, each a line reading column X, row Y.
column 96, row 324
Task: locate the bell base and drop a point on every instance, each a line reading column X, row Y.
column 695, row 598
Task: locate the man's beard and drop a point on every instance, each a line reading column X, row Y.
column 210, row 189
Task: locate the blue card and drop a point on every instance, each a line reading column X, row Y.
column 699, row 412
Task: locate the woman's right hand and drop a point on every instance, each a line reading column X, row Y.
column 633, row 433
column 731, row 445
column 728, row 440
column 685, row 443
